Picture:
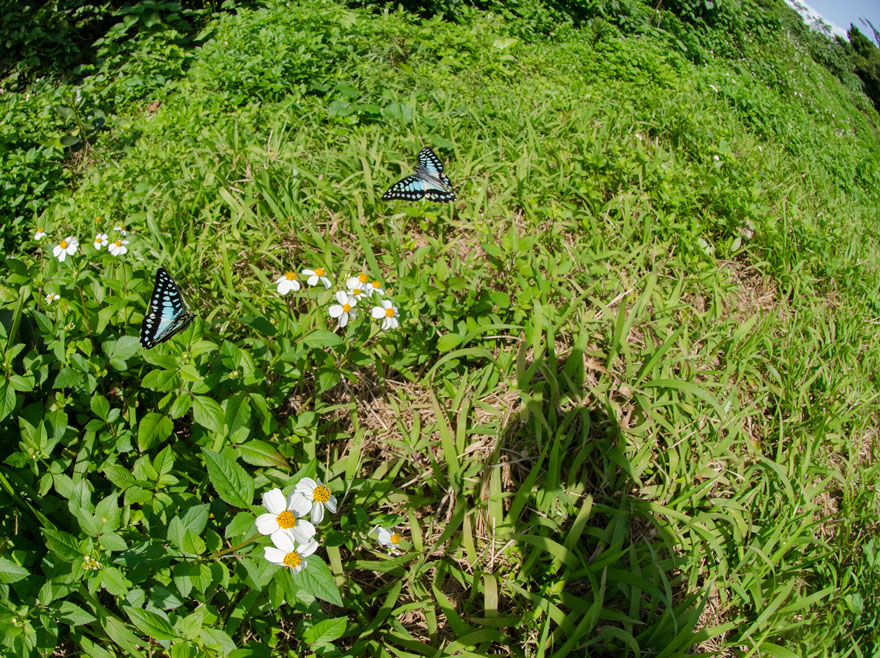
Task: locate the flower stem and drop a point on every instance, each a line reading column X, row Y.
column 231, row 549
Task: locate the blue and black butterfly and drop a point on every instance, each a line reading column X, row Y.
column 429, row 181
column 167, row 314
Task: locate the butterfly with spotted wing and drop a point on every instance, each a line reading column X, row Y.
column 429, row 181
column 167, row 314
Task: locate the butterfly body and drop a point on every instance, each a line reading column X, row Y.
column 167, row 314
column 429, row 181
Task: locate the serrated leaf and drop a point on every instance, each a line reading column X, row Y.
column 73, row 615
column 325, row 631
column 62, row 544
column 112, row 542
column 153, row 429
column 239, row 525
column 322, row 338
column 317, row 580
column 207, row 413
column 230, row 481
column 150, row 623
column 261, row 453
column 114, row 582
column 10, row 572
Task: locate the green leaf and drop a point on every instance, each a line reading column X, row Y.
column 322, row 338
column 10, row 572
column 153, row 429
column 62, row 544
column 231, row 481
column 112, row 542
column 150, row 623
column 208, row 413
column 261, row 453
column 73, row 615
column 448, row 342
column 317, row 580
column 240, row 524
column 114, row 581
column 325, row 630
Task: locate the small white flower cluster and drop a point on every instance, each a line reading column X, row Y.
column 357, row 288
column 293, row 537
column 69, row 245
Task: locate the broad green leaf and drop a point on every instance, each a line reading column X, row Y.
column 321, row 338
column 317, row 580
column 208, row 413
column 325, row 631
column 153, row 429
column 64, row 545
column 231, row 481
column 150, row 623
column 73, row 615
column 10, row 572
column 261, row 453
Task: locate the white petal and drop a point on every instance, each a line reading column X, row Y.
column 274, row 555
column 62, row 256
column 308, row 548
column 378, row 312
column 306, row 487
column 274, row 501
column 299, row 504
column 303, row 531
column 308, row 272
column 283, row 540
column 299, row 567
column 312, row 280
column 326, row 281
column 317, row 512
column 336, row 310
column 343, row 320
column 383, row 536
column 341, row 297
column 331, row 504
column 386, row 324
column 56, row 251
column 267, row 524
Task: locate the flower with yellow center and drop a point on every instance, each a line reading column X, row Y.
column 285, row 553
column 345, row 309
column 375, row 288
column 100, row 241
column 287, row 282
column 388, row 539
column 39, row 234
column 283, row 516
column 119, row 228
column 387, row 312
column 117, row 247
column 67, row 247
column 318, row 274
column 317, row 496
column 52, row 297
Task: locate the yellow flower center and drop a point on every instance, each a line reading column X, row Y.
column 320, row 271
column 290, row 274
column 97, row 219
column 321, row 494
column 292, row 560
column 356, row 291
column 98, row 240
column 286, row 519
column 389, row 312
column 376, row 285
column 118, row 243
column 395, row 538
column 363, row 278
column 41, row 230
column 346, row 308
column 63, row 244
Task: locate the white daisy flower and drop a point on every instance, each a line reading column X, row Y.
column 387, row 312
column 286, row 554
column 388, row 539
column 119, row 228
column 375, row 288
column 317, row 496
column 358, row 286
column 52, row 297
column 65, row 248
column 316, row 275
column 345, row 309
column 287, row 282
column 118, row 248
column 100, row 241
column 283, row 514
column 39, row 234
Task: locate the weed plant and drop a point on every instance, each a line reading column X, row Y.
column 630, row 407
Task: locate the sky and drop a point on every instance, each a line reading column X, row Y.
column 844, row 12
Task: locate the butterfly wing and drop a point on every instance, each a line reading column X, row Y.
column 410, row 188
column 429, row 161
column 167, row 314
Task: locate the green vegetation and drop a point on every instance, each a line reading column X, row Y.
column 632, row 404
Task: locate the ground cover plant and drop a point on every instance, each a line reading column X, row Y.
column 619, row 397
